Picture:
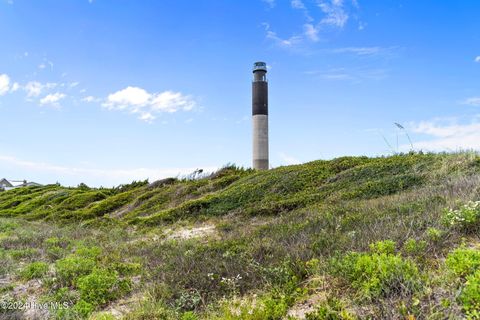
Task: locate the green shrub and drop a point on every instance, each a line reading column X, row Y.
column 89, row 252
column 414, row 247
column 189, row 315
column 385, row 246
column 463, row 261
column 27, row 253
column 127, row 268
column 34, row 270
column 470, row 296
column 332, row 309
column 188, row 300
column 101, row 286
column 83, row 308
column 72, row 267
column 466, row 217
column 377, row 274
column 6, row 226
column 434, row 234
column 269, row 307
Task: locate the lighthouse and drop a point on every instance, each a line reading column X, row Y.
column 260, row 116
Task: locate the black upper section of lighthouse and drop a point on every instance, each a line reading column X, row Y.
column 259, row 89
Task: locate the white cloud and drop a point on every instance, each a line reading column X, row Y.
column 361, row 51
column 311, row 31
column 98, row 176
column 146, row 105
column 335, row 14
column 447, row 135
column 130, row 96
column 474, row 101
column 477, row 59
column 35, row 88
column 42, row 66
column 89, row 99
column 351, row 74
column 15, row 87
column 4, row 84
column 170, row 101
column 297, row 4
column 52, row 99
column 289, row 42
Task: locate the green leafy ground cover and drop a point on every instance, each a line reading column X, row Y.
column 351, row 238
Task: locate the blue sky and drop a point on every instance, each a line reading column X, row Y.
column 105, row 92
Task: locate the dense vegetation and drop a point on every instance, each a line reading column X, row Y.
column 352, row 238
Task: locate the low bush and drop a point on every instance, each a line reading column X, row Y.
column 414, row 247
column 467, row 217
column 470, row 296
column 72, row 267
column 331, row 309
column 379, row 273
column 463, row 261
column 34, row 270
column 101, row 286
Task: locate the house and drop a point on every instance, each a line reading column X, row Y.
column 5, row 184
column 9, row 184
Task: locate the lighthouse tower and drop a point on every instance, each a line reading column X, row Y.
column 260, row 116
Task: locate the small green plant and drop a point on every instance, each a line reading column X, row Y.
column 189, row 315
column 470, row 296
column 34, row 270
column 102, row 316
column 463, row 261
column 72, row 267
column 379, row 273
column 82, row 308
column 414, row 247
column 27, row 253
column 434, row 234
column 101, row 286
column 188, row 300
column 385, row 246
column 466, row 217
column 331, row 309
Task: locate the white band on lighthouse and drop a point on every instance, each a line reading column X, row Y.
column 260, row 142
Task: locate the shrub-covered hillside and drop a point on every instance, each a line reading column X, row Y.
column 352, row 238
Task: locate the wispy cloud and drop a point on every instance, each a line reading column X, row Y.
column 361, row 51
column 477, row 59
column 287, row 42
column 350, row 74
column 92, row 175
column 90, row 99
column 335, row 13
column 52, row 99
column 4, row 84
column 311, row 32
column 35, row 88
column 297, row 4
column 147, row 105
column 474, row 101
column 329, row 14
column 15, row 87
column 447, row 134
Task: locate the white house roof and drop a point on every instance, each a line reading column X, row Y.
column 4, row 183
